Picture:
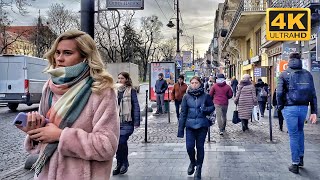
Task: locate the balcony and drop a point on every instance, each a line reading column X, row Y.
column 294, row 3
column 247, row 15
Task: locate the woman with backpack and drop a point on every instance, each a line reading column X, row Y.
column 245, row 100
column 262, row 95
column 196, row 106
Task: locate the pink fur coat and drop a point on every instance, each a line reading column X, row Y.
column 85, row 150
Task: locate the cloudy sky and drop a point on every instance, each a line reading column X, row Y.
column 197, row 16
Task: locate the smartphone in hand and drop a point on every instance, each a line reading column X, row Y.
column 22, row 120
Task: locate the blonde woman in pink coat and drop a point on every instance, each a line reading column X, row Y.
column 82, row 135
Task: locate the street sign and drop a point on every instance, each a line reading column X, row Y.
column 192, row 67
column 288, row 24
column 125, row 4
column 179, row 64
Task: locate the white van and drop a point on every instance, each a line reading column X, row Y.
column 21, row 80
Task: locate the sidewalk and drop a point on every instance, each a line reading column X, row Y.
column 236, row 155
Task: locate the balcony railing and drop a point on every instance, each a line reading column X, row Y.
column 245, row 6
column 292, row 3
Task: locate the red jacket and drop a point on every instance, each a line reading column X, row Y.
column 221, row 93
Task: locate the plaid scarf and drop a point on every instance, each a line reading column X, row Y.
column 74, row 84
column 125, row 106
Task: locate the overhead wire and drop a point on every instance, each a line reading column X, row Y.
column 161, row 10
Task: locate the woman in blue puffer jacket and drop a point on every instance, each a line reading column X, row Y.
column 196, row 105
column 129, row 115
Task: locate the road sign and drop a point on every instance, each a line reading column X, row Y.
column 288, row 24
column 193, row 66
column 125, row 4
column 179, row 64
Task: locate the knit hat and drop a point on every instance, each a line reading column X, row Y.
column 220, row 76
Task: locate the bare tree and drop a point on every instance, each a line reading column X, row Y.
column 167, row 49
column 115, row 42
column 61, row 19
column 150, row 33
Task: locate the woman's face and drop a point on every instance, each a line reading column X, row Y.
column 121, row 79
column 67, row 54
column 195, row 84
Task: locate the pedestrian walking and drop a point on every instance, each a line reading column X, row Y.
column 262, row 95
column 221, row 93
column 129, row 112
column 277, row 110
column 295, row 91
column 234, row 85
column 80, row 103
column 178, row 91
column 245, row 100
column 209, row 84
column 160, row 87
column 196, row 105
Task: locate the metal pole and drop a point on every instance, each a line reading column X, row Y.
column 209, row 134
column 87, row 17
column 270, row 119
column 193, row 50
column 178, row 28
column 146, row 120
column 168, row 105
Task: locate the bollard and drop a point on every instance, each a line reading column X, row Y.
column 146, row 120
column 209, row 134
column 270, row 120
column 168, row 105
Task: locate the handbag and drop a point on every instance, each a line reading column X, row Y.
column 212, row 118
column 255, row 113
column 235, row 118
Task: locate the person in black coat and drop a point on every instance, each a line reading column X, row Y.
column 234, row 85
column 275, row 104
column 262, row 95
column 196, row 106
column 129, row 119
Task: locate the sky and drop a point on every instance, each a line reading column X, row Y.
column 197, row 18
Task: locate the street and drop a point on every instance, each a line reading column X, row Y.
column 236, row 155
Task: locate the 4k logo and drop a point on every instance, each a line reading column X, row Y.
column 288, row 24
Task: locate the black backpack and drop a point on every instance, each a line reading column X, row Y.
column 300, row 86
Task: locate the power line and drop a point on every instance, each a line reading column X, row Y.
column 161, row 10
column 174, row 12
column 203, row 25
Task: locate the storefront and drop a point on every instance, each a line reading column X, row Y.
column 247, row 68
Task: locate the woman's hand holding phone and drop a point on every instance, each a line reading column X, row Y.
column 34, row 121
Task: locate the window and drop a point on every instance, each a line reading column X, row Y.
column 258, row 42
column 248, row 49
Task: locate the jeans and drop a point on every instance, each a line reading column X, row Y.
column 160, row 102
column 221, row 115
column 177, row 104
column 262, row 107
column 122, row 152
column 295, row 117
column 196, row 137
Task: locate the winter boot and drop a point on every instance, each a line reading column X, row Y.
column 301, row 162
column 197, row 175
column 294, row 168
column 191, row 168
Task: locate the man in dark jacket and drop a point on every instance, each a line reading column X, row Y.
column 178, row 91
column 160, row 88
column 262, row 95
column 295, row 91
column 234, row 85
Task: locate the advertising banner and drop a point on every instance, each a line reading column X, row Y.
column 168, row 70
column 187, row 57
column 189, row 75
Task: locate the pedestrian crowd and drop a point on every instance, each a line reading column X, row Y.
column 84, row 130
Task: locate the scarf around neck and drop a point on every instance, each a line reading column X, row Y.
column 125, row 105
column 196, row 92
column 74, row 84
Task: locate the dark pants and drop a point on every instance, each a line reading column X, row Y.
column 122, row 152
column 262, row 107
column 280, row 116
column 234, row 90
column 196, row 137
column 245, row 123
column 177, row 104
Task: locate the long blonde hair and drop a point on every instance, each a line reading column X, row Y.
column 89, row 51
